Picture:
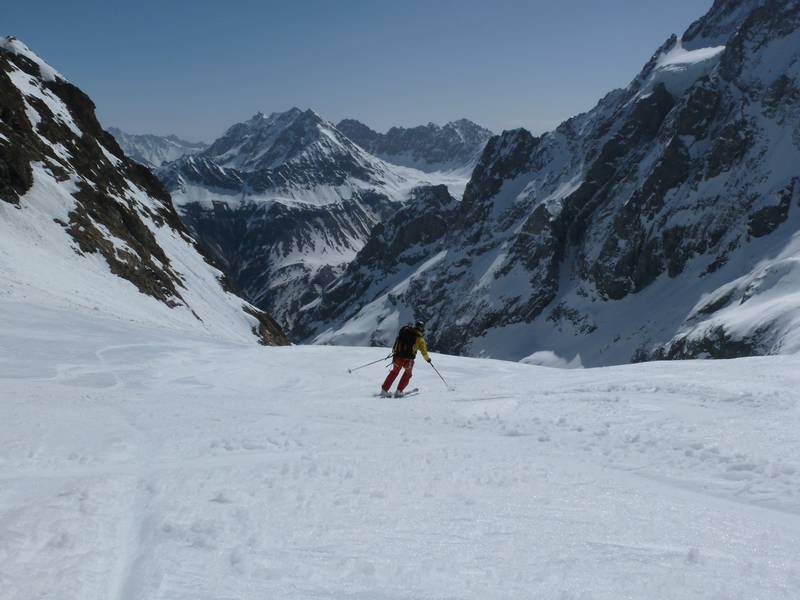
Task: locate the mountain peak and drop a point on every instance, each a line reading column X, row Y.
column 261, row 116
column 18, row 48
column 266, row 142
column 717, row 26
column 463, row 122
column 357, row 131
column 355, row 123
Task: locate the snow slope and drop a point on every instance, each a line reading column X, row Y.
column 40, row 264
column 82, row 226
column 142, row 463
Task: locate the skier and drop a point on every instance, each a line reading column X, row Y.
column 404, row 351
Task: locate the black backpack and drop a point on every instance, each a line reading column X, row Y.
column 405, row 342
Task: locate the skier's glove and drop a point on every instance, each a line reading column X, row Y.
column 429, row 360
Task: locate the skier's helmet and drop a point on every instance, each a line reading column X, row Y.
column 419, row 325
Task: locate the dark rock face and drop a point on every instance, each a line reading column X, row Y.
column 719, row 23
column 110, row 187
column 268, row 331
column 668, row 189
column 716, row 343
column 427, row 147
column 146, row 266
column 256, row 244
column 16, row 176
column 767, row 219
column 420, row 224
column 504, row 158
column 413, row 234
column 361, row 134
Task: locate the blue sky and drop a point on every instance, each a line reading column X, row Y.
column 194, row 68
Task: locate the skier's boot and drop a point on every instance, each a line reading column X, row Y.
column 398, row 394
column 385, row 394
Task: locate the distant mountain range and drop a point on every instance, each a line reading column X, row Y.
column 285, row 201
column 454, row 146
column 154, row 150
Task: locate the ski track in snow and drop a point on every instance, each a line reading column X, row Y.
column 143, row 463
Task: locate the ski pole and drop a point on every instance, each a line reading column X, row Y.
column 440, row 376
column 374, row 362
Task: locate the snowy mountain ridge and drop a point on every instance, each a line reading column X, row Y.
column 659, row 224
column 154, row 150
column 85, row 228
column 267, row 142
column 290, row 157
column 455, row 146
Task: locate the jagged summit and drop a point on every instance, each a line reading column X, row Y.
column 719, row 24
column 294, row 155
column 18, row 48
column 267, row 142
column 455, row 145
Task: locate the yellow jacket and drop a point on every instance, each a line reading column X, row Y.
column 422, row 347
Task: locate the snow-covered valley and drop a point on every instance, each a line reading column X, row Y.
column 160, row 439
column 144, row 462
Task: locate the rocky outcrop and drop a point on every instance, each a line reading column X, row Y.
column 415, row 234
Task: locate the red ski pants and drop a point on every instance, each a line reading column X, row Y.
column 399, row 363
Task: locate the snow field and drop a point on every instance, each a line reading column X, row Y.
column 40, row 266
column 143, row 462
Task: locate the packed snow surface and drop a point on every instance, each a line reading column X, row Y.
column 151, row 462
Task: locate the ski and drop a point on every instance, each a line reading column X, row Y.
column 411, row 392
